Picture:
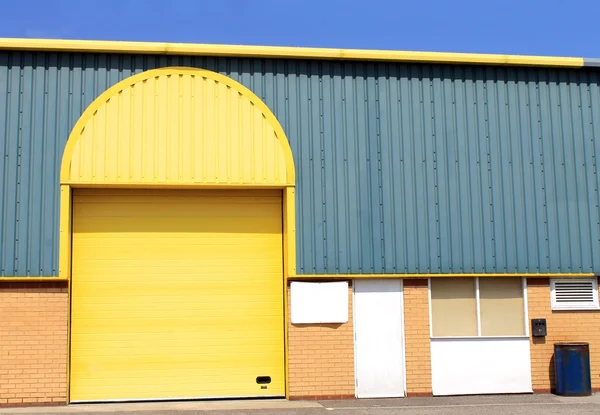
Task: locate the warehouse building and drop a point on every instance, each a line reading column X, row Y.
column 185, row 221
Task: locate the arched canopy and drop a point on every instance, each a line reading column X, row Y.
column 181, row 127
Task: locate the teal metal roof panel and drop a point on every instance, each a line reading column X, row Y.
column 401, row 168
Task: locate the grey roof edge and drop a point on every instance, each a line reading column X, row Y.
column 591, row 62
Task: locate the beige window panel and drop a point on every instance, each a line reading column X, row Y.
column 453, row 307
column 478, row 307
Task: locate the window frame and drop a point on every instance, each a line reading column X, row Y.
column 478, row 312
column 555, row 306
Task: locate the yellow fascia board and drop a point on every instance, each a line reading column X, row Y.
column 317, row 277
column 162, row 48
column 31, row 279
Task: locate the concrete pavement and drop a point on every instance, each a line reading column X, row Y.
column 466, row 405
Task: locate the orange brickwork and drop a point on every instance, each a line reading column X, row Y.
column 417, row 339
column 33, row 343
column 562, row 326
column 321, row 358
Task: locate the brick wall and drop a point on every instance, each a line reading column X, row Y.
column 33, row 343
column 417, row 340
column 321, row 358
column 562, row 326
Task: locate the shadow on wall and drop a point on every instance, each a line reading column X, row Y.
column 551, row 372
column 325, row 325
column 552, row 375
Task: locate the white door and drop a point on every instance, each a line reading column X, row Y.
column 379, row 338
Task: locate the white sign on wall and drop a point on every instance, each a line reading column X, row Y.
column 480, row 365
column 319, row 302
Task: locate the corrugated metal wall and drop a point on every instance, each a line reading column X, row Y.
column 179, row 130
column 400, row 168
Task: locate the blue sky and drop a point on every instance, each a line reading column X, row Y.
column 538, row 27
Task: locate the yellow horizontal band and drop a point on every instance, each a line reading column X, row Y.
column 306, row 277
column 213, row 186
column 31, row 279
column 284, row 52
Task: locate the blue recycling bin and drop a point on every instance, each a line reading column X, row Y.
column 572, row 369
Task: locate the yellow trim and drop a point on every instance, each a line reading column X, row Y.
column 32, row 279
column 317, row 277
column 64, row 265
column 209, row 186
column 68, row 383
column 141, row 77
column 289, row 266
column 289, row 230
column 64, row 252
column 286, row 355
column 162, row 48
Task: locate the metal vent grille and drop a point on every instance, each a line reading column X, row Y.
column 574, row 294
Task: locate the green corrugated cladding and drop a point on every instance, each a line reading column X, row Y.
column 401, row 168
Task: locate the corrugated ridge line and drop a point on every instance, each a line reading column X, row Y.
column 594, row 203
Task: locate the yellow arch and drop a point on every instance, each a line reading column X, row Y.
column 260, row 149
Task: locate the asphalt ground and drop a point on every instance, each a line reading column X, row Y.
column 465, row 405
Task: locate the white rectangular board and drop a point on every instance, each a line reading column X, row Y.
column 319, row 302
column 480, row 366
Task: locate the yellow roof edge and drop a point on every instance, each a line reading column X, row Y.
column 163, row 48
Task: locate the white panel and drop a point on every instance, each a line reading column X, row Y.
column 480, row 366
column 319, row 302
column 379, row 346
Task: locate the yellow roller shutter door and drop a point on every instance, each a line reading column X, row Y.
column 176, row 294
